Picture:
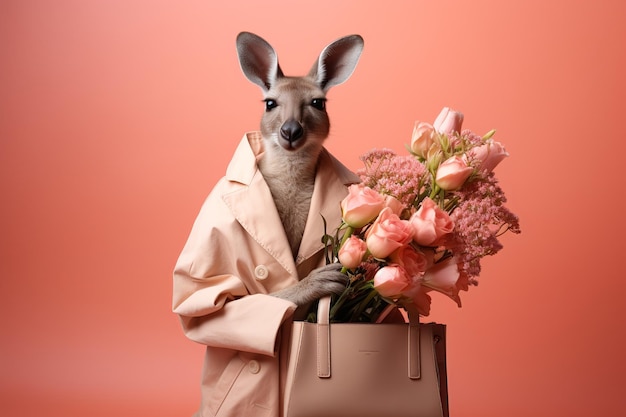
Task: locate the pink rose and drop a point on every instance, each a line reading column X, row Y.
column 431, row 224
column 489, row 155
column 448, row 121
column 391, row 281
column 412, row 260
column 452, row 173
column 352, row 252
column 387, row 234
column 394, row 204
column 361, row 205
column 443, row 277
column 422, row 139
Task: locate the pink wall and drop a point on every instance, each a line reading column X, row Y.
column 116, row 118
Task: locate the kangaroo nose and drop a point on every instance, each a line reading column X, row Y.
column 291, row 130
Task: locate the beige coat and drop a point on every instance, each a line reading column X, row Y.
column 236, row 254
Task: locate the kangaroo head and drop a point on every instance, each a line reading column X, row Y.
column 295, row 118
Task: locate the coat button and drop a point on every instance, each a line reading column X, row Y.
column 261, row 272
column 254, row 367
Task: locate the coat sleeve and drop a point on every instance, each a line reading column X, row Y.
column 210, row 294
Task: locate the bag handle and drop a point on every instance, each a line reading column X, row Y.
column 323, row 341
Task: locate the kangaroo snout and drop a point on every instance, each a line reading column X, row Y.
column 291, row 131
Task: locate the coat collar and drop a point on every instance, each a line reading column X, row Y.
column 243, row 166
column 263, row 223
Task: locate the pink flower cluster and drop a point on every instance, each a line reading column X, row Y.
column 391, row 174
column 405, row 249
column 421, row 222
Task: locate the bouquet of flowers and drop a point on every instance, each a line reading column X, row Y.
column 419, row 222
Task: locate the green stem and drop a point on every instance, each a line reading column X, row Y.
column 435, row 190
column 363, row 304
column 489, row 134
column 337, row 305
column 346, row 235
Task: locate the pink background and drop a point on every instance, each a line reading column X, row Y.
column 117, row 117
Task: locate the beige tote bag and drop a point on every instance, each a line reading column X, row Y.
column 366, row 369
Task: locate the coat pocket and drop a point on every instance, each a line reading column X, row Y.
column 248, row 387
column 225, row 384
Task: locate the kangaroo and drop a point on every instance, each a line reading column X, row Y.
column 294, row 126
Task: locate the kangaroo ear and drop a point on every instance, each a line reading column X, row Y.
column 258, row 60
column 337, row 61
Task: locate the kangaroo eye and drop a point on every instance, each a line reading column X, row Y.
column 270, row 104
column 319, row 103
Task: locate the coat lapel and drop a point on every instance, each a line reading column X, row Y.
column 262, row 222
column 330, row 188
column 251, row 203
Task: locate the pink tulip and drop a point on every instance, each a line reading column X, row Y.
column 431, row 224
column 421, row 300
column 489, row 155
column 352, row 252
column 422, row 139
column 452, row 173
column 448, row 121
column 361, row 205
column 443, row 277
column 387, row 234
column 391, row 281
column 463, row 282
